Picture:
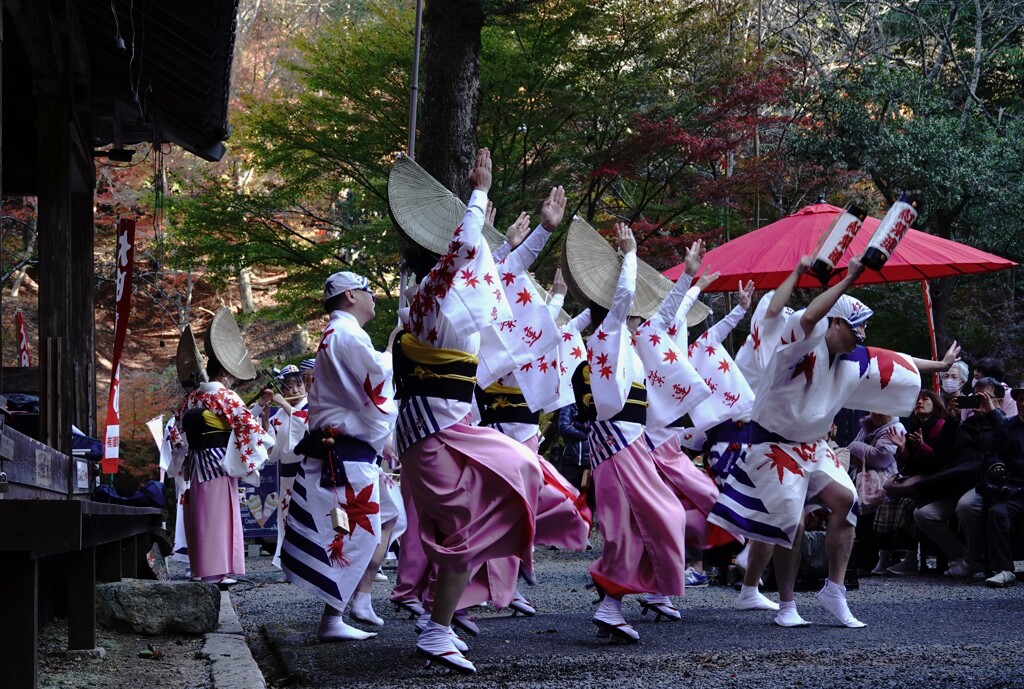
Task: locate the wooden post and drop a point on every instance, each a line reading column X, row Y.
column 108, row 563
column 82, row 600
column 20, row 630
column 56, row 282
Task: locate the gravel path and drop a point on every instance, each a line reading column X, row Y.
column 923, row 632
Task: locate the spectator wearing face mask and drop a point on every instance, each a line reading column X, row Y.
column 953, row 381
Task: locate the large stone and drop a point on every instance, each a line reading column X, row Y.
column 158, row 607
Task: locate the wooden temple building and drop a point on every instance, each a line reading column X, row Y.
column 80, row 77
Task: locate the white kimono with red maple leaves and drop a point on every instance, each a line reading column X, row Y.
column 474, row 489
column 352, row 393
column 642, row 520
column 211, row 513
column 800, row 392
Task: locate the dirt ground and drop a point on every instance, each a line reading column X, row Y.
column 178, row 664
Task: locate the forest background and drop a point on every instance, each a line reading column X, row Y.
column 685, row 118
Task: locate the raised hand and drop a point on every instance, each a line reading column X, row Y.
column 624, row 238
column 952, row 355
column 706, row 279
column 480, row 175
column 694, row 256
column 746, row 294
column 558, row 285
column 553, row 208
column 518, row 231
column 854, row 268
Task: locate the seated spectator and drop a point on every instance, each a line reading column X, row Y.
column 987, row 513
column 990, row 367
column 916, row 451
column 973, row 441
column 953, row 381
column 872, row 450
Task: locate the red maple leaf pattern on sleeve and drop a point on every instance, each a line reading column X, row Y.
column 887, row 361
column 373, row 393
column 755, row 336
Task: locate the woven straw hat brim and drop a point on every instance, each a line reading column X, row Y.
column 425, row 212
column 591, row 268
column 224, row 342
column 698, row 314
column 188, row 360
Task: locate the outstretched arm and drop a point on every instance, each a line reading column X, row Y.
column 785, row 290
column 824, row 302
column 931, row 366
column 625, row 290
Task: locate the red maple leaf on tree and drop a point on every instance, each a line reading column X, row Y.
column 782, row 462
column 887, row 361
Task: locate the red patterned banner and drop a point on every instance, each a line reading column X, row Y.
column 125, row 260
column 24, row 358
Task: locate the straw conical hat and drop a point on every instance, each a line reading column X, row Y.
column 189, row 361
column 424, row 211
column 591, row 268
column 224, row 343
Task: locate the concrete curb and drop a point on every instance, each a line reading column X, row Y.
column 231, row 663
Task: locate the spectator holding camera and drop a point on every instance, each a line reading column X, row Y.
column 987, row 513
column 991, row 367
column 974, row 440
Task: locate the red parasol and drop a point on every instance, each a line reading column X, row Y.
column 767, row 255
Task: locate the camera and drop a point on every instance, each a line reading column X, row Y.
column 993, row 483
column 968, row 401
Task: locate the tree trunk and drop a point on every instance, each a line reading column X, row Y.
column 451, row 90
column 245, row 290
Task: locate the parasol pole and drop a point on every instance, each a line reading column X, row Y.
column 930, row 317
column 403, row 280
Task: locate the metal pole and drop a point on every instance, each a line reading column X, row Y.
column 414, row 95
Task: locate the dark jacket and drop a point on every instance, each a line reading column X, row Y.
column 976, row 441
column 574, row 434
column 1011, row 452
column 927, row 457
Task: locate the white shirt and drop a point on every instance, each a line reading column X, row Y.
column 352, row 389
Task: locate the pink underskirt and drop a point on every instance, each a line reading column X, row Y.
column 695, row 490
column 643, row 524
column 563, row 518
column 213, row 528
column 474, row 490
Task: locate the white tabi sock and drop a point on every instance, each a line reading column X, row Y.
column 832, row 597
column 788, row 616
column 752, row 599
